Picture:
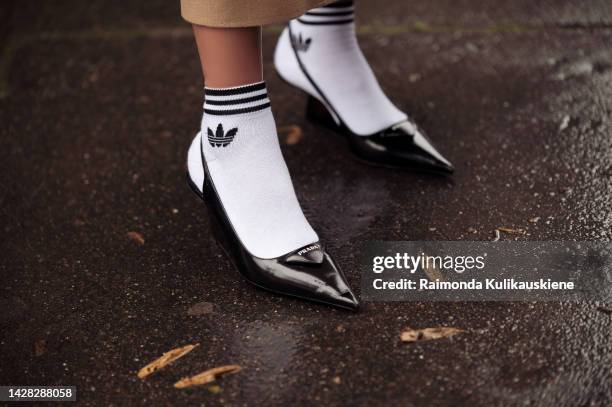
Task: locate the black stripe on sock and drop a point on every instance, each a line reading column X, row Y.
column 235, row 91
column 333, row 13
column 235, row 101
column 237, row 111
column 336, row 22
column 340, row 4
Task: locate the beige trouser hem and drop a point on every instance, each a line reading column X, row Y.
column 244, row 13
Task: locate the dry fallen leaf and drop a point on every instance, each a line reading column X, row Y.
column 564, row 123
column 165, row 360
column 427, row 334
column 292, row 134
column 207, row 376
column 214, row 388
column 137, row 237
column 201, row 308
column 432, row 272
column 511, row 231
column 40, row 347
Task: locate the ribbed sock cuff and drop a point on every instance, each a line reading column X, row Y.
column 236, row 100
column 340, row 12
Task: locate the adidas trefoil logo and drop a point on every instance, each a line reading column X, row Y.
column 299, row 43
column 220, row 138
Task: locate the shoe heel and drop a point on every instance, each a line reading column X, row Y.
column 220, row 237
column 215, row 226
column 317, row 113
column 219, row 227
column 192, row 186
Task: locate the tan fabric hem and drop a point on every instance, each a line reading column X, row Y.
column 245, row 13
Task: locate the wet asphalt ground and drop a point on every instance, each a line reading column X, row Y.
column 98, row 105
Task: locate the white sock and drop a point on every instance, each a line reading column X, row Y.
column 245, row 162
column 327, row 46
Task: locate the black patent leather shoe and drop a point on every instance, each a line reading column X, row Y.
column 308, row 272
column 403, row 145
